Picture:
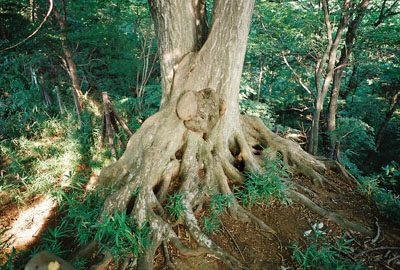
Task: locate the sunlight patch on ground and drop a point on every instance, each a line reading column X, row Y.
column 30, row 222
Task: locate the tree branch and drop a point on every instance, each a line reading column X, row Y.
column 298, row 78
column 34, row 32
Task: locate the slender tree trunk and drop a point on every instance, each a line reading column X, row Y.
column 70, row 63
column 313, row 143
column 32, row 4
column 107, row 119
column 322, row 88
column 260, row 75
column 46, row 95
column 344, row 59
column 59, row 99
column 3, row 35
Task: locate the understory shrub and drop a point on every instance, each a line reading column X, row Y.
column 385, row 199
column 319, row 254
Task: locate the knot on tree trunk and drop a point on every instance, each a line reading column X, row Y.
column 200, row 110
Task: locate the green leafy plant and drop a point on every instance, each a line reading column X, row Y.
column 385, row 199
column 211, row 224
column 218, row 205
column 320, row 254
column 175, row 204
column 13, row 260
column 121, row 236
column 79, row 264
column 81, row 215
column 53, row 239
column 266, row 185
column 391, row 176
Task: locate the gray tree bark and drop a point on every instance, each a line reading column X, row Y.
column 322, row 85
column 344, row 59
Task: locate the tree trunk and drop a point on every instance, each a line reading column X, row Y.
column 313, row 142
column 3, row 35
column 70, row 63
column 344, row 59
column 198, row 141
column 260, row 75
column 59, row 99
column 32, row 4
column 46, row 95
column 323, row 87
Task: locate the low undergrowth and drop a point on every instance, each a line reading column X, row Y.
column 320, row 254
column 382, row 188
column 263, row 186
column 118, row 233
column 218, row 205
column 175, row 205
column 266, row 185
column 387, row 201
column 31, row 165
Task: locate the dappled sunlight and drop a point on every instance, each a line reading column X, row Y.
column 30, row 223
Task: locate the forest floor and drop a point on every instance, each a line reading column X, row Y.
column 254, row 247
column 259, row 250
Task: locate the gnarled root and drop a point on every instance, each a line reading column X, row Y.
column 304, row 163
column 164, row 157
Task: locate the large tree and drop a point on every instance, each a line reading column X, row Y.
column 198, row 141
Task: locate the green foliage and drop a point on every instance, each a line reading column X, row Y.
column 121, row 236
column 118, row 233
column 266, row 185
column 13, row 259
column 351, row 166
column 175, row 204
column 354, row 134
column 322, row 255
column 218, row 205
column 377, row 188
column 391, row 176
column 33, row 164
column 255, row 108
column 80, row 209
column 211, row 224
column 53, row 239
column 22, row 111
column 79, row 264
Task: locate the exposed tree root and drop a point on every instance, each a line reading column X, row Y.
column 102, row 265
column 164, row 156
column 166, row 255
column 293, row 154
column 330, row 215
